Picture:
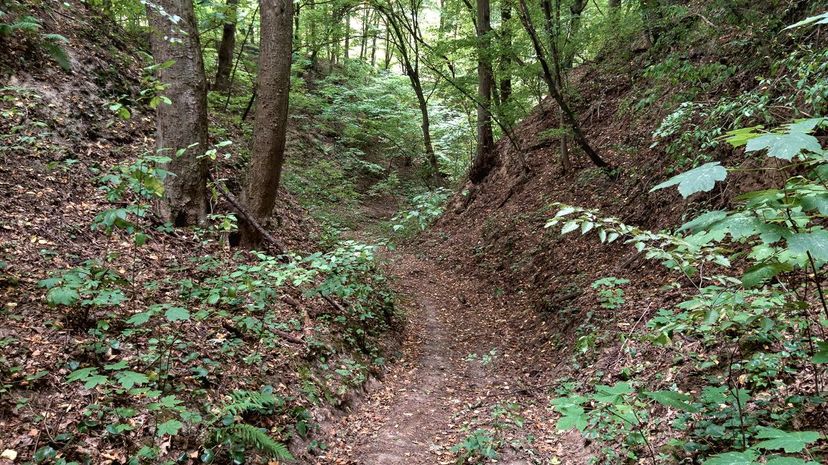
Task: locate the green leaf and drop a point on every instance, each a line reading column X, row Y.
column 109, row 297
column 815, row 242
column 701, row 179
column 790, row 442
column 569, row 227
column 807, row 125
column 612, row 394
column 62, row 296
column 784, row 146
column 673, row 399
column 130, row 379
column 170, row 427
column 789, row 461
column 573, row 420
column 44, row 453
column 81, row 374
column 821, row 356
column 95, row 380
column 703, row 221
column 139, row 318
column 747, row 457
column 818, row 19
column 177, row 314
column 761, row 273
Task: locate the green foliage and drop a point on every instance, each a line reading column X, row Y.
column 30, row 26
column 478, row 445
column 753, row 329
column 425, row 208
column 610, row 295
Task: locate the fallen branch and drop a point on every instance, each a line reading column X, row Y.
column 333, row 303
column 247, row 216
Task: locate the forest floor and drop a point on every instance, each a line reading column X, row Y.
column 460, row 372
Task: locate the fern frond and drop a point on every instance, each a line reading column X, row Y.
column 249, row 401
column 58, row 54
column 256, row 438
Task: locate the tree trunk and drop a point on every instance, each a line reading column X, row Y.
column 505, row 61
column 388, row 50
column 182, row 125
column 374, row 33
column 426, row 124
column 485, row 158
column 270, row 125
column 576, row 9
column 363, row 44
column 651, row 16
column 566, row 164
column 552, row 87
column 226, row 47
column 297, row 40
column 347, row 35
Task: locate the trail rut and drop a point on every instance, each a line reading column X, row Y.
column 458, row 369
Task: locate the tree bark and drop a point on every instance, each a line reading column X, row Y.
column 388, row 50
column 485, row 158
column 363, row 44
column 552, row 87
column 182, row 125
column 347, row 35
column 226, row 47
column 270, row 125
column 374, row 33
column 409, row 61
column 505, row 60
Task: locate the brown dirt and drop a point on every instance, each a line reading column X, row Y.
column 436, row 394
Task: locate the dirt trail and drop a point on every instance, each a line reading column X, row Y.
column 438, row 392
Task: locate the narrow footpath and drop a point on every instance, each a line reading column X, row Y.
column 464, row 368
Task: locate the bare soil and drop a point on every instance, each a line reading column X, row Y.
column 462, row 356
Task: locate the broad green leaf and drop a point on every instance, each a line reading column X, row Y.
column 139, row 319
column 44, row 453
column 818, row 202
column 612, row 394
column 790, row 442
column 177, row 314
column 789, row 461
column 815, row 242
column 701, row 179
column 703, row 221
column 170, row 427
column 761, row 273
column 569, row 227
column 747, row 457
column 807, row 125
column 740, row 137
column 565, row 211
column 109, row 297
column 130, row 379
column 81, row 374
column 95, row 380
column 62, row 296
column 784, row 146
column 821, row 356
column 673, row 399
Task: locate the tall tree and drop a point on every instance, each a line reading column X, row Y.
column 347, row 33
column 269, row 130
column 226, row 47
column 404, row 28
column 486, row 157
column 182, row 125
column 506, row 52
column 553, row 82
